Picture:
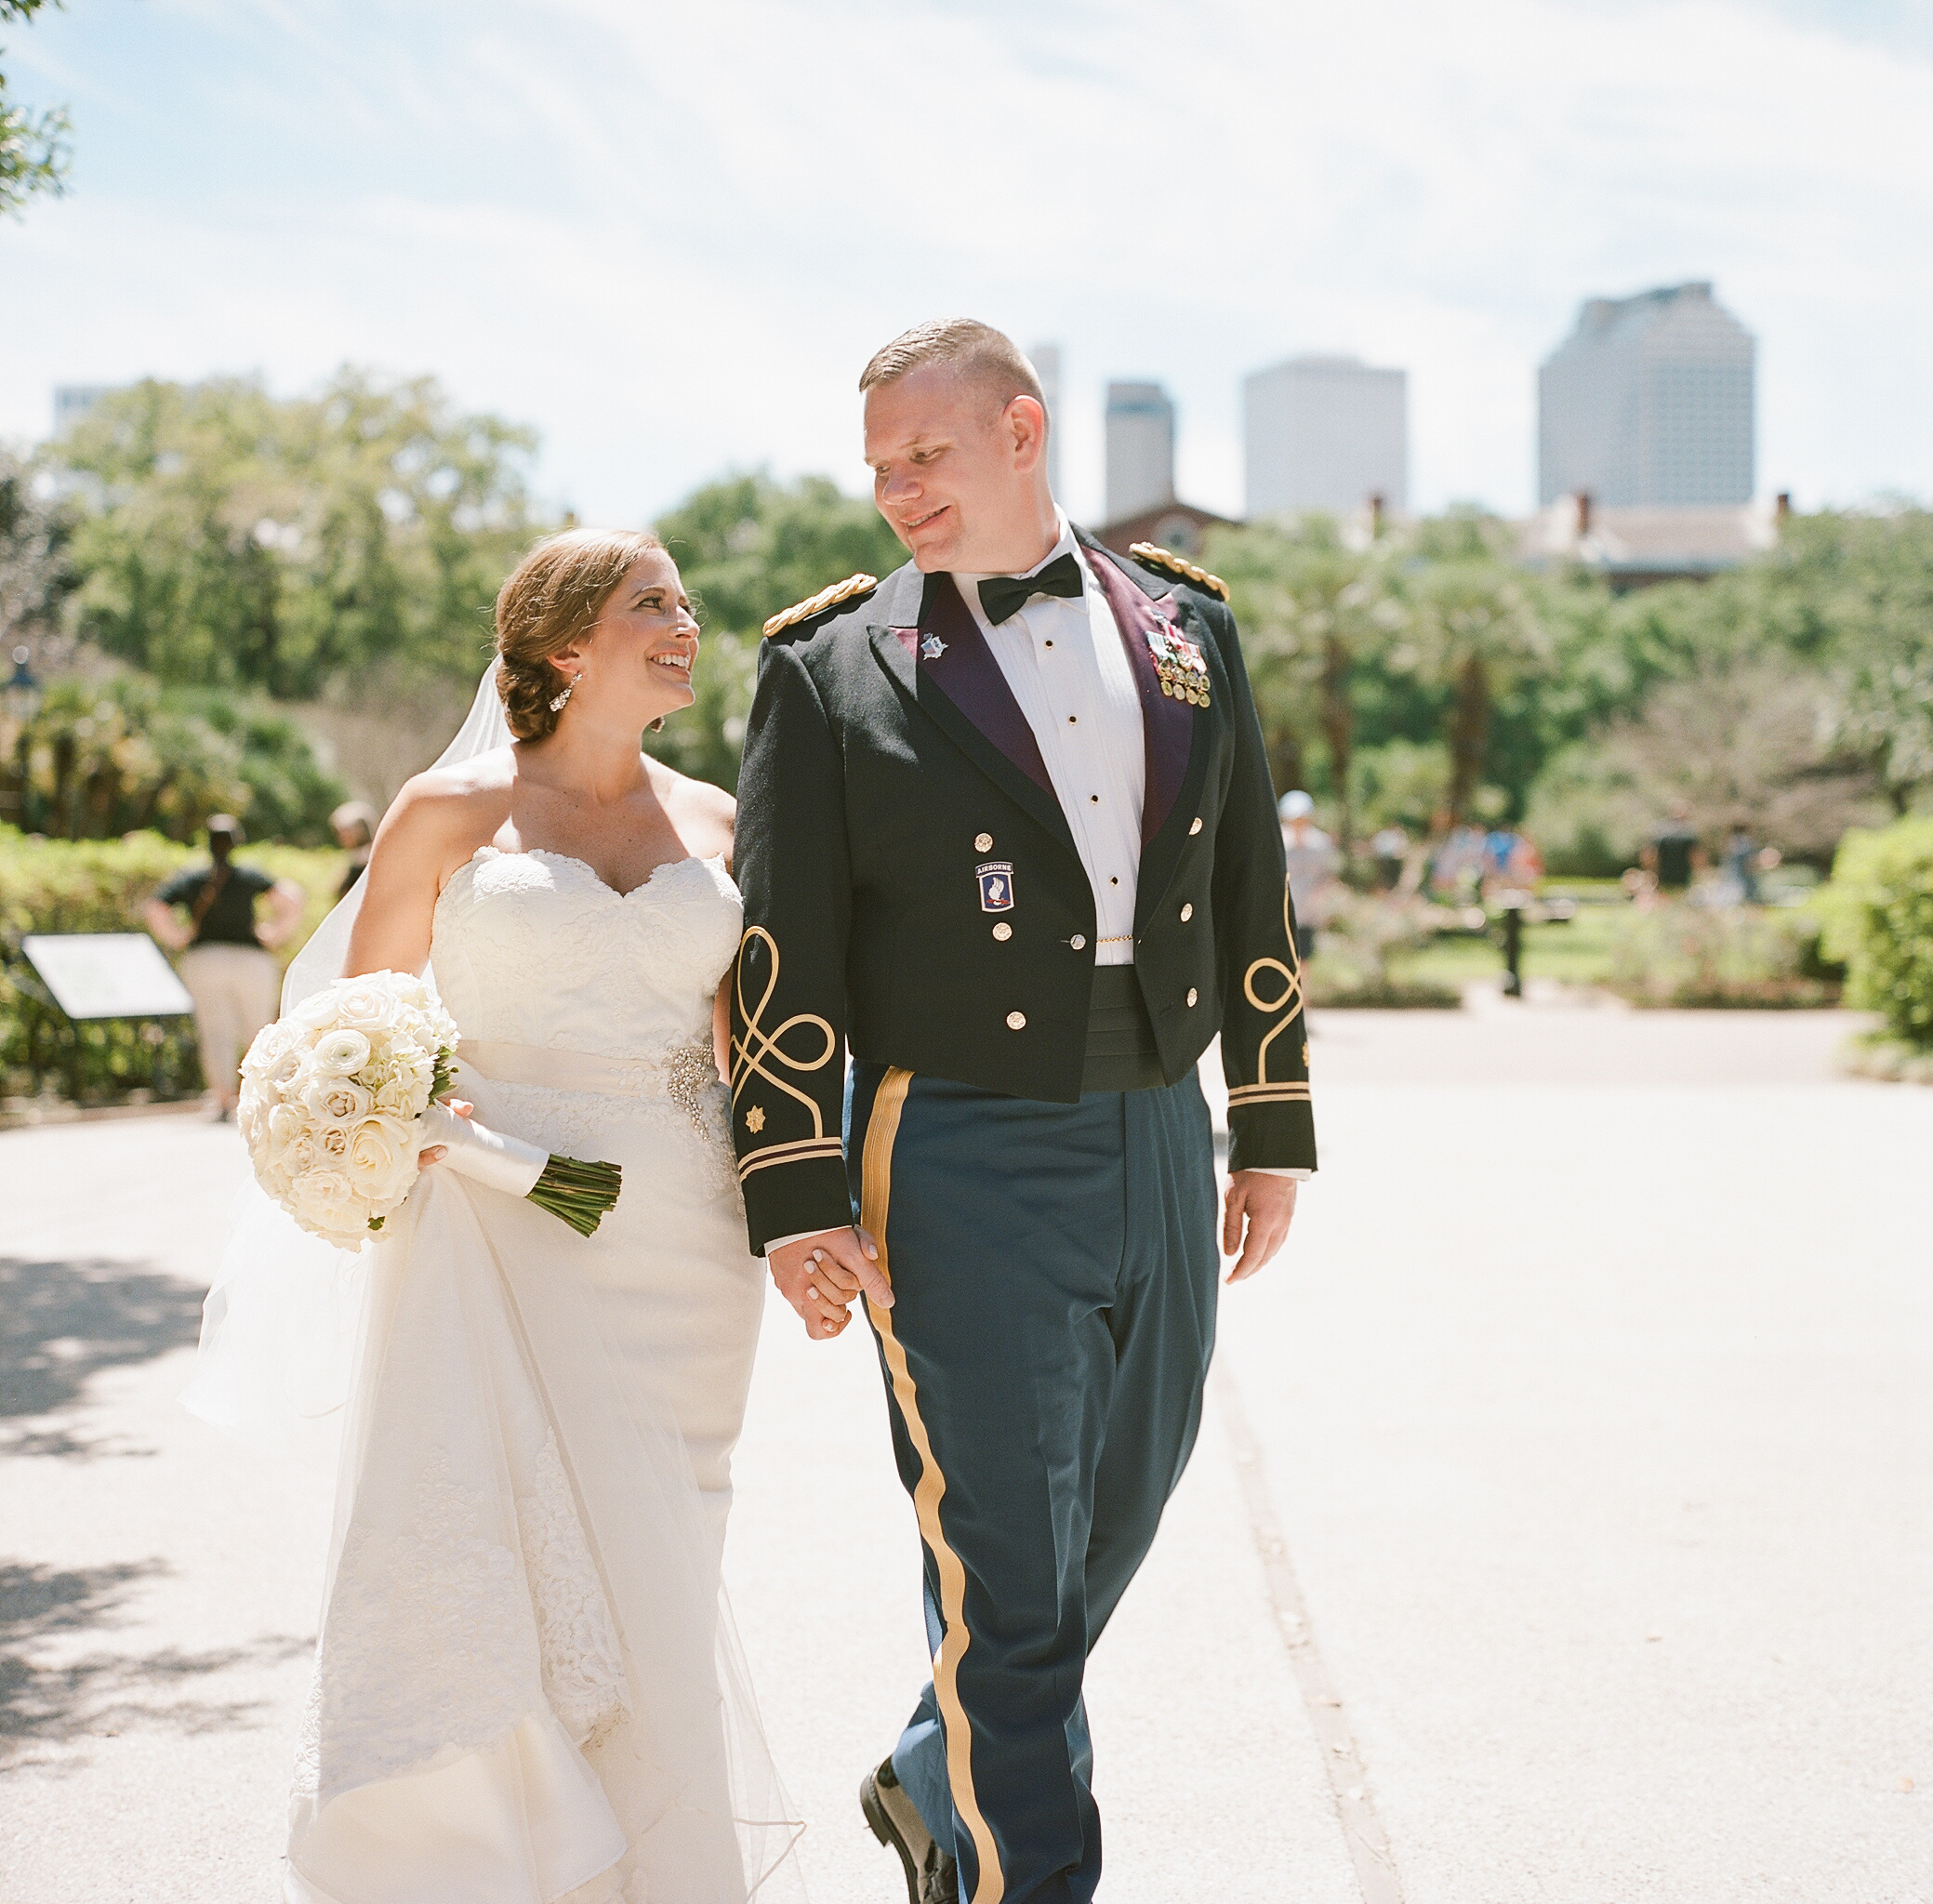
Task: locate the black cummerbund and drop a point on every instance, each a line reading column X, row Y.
column 1120, row 1040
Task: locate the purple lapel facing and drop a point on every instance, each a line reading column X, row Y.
column 1167, row 725
column 967, row 674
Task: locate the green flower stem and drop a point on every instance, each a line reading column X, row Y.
column 579, row 1193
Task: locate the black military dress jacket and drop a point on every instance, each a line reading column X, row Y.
column 913, row 894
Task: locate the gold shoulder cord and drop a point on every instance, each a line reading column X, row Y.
column 819, row 604
column 1157, row 557
column 1262, row 1092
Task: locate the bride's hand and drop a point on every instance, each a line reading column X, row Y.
column 820, row 1275
column 436, row 1153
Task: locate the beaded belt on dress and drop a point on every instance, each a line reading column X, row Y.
column 684, row 1074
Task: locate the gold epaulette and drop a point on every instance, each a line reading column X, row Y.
column 1158, row 558
column 819, row 604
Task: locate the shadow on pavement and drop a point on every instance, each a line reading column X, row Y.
column 45, row 1703
column 62, row 1322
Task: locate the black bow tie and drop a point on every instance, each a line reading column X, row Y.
column 1001, row 595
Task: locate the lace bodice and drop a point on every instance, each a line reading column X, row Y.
column 534, row 948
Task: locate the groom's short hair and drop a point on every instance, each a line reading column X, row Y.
column 966, row 346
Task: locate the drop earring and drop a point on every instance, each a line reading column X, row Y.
column 570, row 687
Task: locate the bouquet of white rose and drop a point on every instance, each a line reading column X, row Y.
column 339, row 1098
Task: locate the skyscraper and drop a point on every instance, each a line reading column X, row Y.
column 1649, row 400
column 1326, row 434
column 1140, row 449
column 1046, row 360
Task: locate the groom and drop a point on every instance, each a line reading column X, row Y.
column 1007, row 835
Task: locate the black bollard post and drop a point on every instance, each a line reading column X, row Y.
column 1513, row 948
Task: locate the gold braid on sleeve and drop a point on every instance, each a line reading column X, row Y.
column 749, row 1059
column 1294, row 1090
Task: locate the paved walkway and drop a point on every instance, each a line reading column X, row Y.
column 1579, row 1452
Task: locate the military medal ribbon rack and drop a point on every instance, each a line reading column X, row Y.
column 1179, row 665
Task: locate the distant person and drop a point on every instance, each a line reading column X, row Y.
column 1674, row 857
column 1390, row 850
column 1741, row 863
column 354, row 825
column 1313, row 864
column 225, row 960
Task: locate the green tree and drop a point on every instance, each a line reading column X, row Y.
column 235, row 539
column 1310, row 608
column 34, row 146
column 36, row 576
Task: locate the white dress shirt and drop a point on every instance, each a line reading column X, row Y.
column 1062, row 658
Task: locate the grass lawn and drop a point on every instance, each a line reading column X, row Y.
column 1577, row 953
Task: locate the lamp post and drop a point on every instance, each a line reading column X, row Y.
column 21, row 695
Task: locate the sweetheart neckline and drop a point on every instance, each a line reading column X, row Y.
column 690, row 859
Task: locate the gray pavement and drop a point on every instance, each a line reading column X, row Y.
column 1580, row 1450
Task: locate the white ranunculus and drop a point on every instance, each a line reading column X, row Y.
column 336, row 1100
column 341, row 1053
column 382, row 1161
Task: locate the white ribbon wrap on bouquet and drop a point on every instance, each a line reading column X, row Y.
column 483, row 1156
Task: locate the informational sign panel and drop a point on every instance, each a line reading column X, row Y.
column 107, row 974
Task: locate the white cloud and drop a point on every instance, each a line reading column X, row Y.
column 669, row 236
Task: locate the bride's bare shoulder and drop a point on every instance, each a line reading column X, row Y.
column 703, row 813
column 444, row 808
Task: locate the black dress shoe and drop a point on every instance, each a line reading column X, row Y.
column 932, row 1877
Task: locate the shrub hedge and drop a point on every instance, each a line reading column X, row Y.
column 1877, row 910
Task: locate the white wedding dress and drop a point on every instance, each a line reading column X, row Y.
column 525, row 1685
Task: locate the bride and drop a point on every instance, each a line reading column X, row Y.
column 525, row 1686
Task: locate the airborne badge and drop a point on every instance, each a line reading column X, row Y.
column 1178, row 664
column 996, row 880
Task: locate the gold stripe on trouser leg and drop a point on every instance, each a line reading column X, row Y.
column 875, row 1194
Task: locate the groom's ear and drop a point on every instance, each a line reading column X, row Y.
column 1026, row 422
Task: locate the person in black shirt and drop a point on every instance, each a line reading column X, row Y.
column 1674, row 857
column 225, row 958
column 355, row 827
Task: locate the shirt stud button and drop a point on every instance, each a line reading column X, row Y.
column 1196, row 827
column 1187, row 913
column 982, row 842
column 1192, row 995
column 1079, row 942
column 1016, row 1021
column 1003, row 932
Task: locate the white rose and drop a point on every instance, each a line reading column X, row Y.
column 299, row 1157
column 336, row 1100
column 325, row 1202
column 271, row 1045
column 367, row 1003
column 280, row 1129
column 382, row 1160
column 317, row 1011
column 332, row 1145
column 341, row 1054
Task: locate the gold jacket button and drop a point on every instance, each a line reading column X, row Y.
column 1192, row 995
column 982, row 842
column 1016, row 1021
column 1079, row 942
column 1003, row 932
column 1188, row 912
column 1196, row 827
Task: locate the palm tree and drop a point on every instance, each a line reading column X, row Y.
column 1476, row 630
column 1309, row 607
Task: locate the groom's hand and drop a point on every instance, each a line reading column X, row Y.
column 820, row 1275
column 1255, row 1219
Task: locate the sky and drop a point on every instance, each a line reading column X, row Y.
column 667, row 237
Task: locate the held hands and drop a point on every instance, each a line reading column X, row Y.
column 820, row 1275
column 1269, row 1205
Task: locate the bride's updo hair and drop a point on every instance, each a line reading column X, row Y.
column 550, row 603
